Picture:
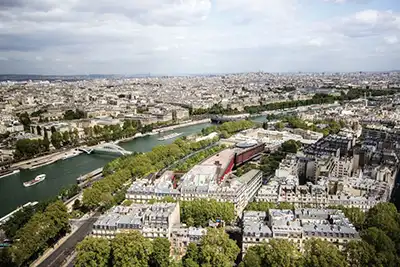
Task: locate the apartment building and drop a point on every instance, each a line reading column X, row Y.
column 335, row 145
column 182, row 236
column 331, row 181
column 297, row 227
column 151, row 220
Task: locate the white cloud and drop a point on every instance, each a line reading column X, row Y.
column 367, row 16
column 316, row 42
column 391, row 39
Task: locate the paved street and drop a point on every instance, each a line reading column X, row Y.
column 56, row 258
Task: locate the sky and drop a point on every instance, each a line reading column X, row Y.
column 67, row 37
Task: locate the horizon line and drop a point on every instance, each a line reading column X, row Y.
column 192, row 74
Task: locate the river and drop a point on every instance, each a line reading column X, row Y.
column 65, row 172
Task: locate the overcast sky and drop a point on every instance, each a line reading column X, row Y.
column 197, row 36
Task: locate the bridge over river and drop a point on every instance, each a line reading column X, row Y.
column 105, row 148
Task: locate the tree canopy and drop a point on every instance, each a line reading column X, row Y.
column 93, row 252
column 276, row 253
column 161, row 251
column 290, row 146
column 131, row 250
column 320, row 253
column 28, row 148
column 228, row 128
column 40, row 229
column 199, row 211
column 74, row 115
column 126, row 249
column 215, row 249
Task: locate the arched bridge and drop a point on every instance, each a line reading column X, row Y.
column 106, row 148
column 85, row 149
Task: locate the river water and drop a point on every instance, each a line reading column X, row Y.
column 65, row 172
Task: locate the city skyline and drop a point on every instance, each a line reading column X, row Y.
column 173, row 37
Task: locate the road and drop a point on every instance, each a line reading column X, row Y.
column 58, row 256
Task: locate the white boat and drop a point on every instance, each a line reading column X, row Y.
column 8, row 173
column 166, row 137
column 67, row 156
column 8, row 216
column 37, row 180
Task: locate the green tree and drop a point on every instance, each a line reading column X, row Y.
column 76, row 205
column 320, row 253
column 66, row 137
column 384, row 247
column 225, row 134
column 276, row 253
column 6, row 258
column 46, row 143
column 200, row 211
column 216, row 249
column 360, row 254
column 91, row 197
column 42, row 229
column 93, row 252
column 384, row 216
column 57, row 212
column 281, row 253
column 25, row 120
column 26, row 148
column 290, row 146
column 192, row 256
column 354, row 214
column 279, row 125
column 160, row 255
column 74, row 115
column 56, row 140
column 131, row 250
column 252, row 258
column 17, row 220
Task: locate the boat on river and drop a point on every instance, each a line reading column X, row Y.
column 166, row 137
column 70, row 155
column 5, row 173
column 38, row 179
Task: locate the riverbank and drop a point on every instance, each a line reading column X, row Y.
column 45, row 160
column 138, row 135
column 162, row 130
column 184, row 124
